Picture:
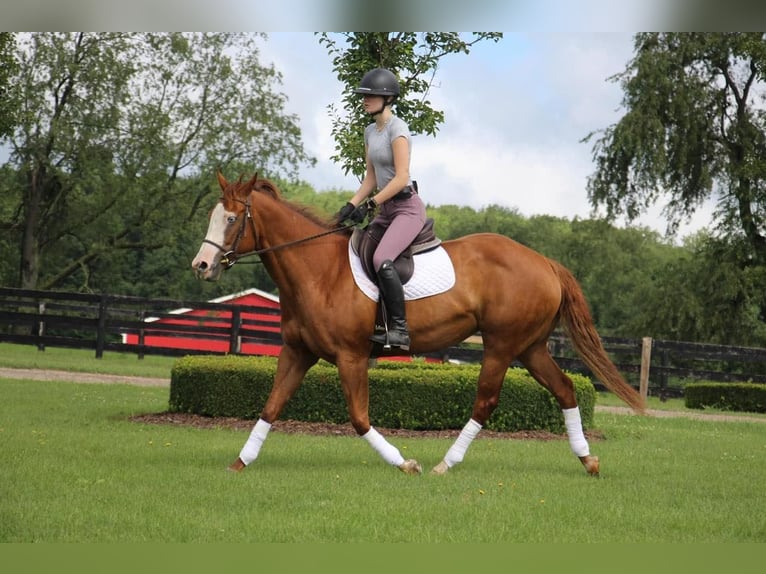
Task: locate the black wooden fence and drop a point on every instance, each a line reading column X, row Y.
column 100, row 322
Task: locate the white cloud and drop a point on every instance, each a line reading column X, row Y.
column 483, row 172
column 515, row 115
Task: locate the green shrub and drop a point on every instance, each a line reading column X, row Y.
column 745, row 397
column 418, row 396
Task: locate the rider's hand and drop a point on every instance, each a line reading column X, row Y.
column 363, row 210
column 344, row 212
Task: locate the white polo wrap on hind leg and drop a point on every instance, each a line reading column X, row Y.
column 385, row 449
column 458, row 449
column 577, row 439
column 254, row 442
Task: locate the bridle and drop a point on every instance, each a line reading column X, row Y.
column 230, row 257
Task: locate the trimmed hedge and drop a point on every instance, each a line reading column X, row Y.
column 744, row 397
column 417, row 396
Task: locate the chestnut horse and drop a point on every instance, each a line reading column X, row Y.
column 511, row 294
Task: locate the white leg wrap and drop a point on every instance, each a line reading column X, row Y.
column 252, row 447
column 458, row 449
column 385, row 449
column 574, row 431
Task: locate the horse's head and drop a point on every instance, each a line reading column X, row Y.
column 230, row 231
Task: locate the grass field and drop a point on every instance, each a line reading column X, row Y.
column 76, row 469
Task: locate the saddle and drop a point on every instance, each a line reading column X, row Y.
column 365, row 241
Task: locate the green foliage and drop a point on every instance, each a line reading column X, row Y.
column 693, row 130
column 413, row 57
column 615, row 268
column 745, row 397
column 118, row 138
column 9, row 93
column 708, row 293
column 414, row 396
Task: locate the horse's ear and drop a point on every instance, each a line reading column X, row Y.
column 251, row 183
column 222, row 181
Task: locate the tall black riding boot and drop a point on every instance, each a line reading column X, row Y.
column 392, row 293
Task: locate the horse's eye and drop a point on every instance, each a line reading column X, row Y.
column 231, row 219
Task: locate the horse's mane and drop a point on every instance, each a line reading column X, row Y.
column 263, row 185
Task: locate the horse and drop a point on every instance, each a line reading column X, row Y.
column 514, row 296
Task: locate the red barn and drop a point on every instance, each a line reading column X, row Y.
column 179, row 331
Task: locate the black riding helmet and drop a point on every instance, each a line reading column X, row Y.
column 379, row 82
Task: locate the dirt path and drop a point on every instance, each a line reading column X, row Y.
column 702, row 416
column 75, row 377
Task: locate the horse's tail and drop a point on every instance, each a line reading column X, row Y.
column 579, row 324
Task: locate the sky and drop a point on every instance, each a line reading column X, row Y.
column 516, row 113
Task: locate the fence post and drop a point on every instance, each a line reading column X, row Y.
column 646, row 365
column 41, row 326
column 141, row 334
column 235, row 341
column 101, row 333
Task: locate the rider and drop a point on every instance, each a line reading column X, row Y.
column 402, row 212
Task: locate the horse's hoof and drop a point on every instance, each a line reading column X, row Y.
column 591, row 464
column 440, row 468
column 236, row 466
column 411, row 466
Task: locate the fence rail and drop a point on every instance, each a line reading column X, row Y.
column 144, row 326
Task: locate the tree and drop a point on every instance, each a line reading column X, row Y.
column 8, row 92
column 705, row 294
column 119, row 135
column 413, row 57
column 694, row 129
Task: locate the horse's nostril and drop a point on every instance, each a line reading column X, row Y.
column 202, row 266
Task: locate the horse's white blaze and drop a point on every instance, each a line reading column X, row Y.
column 206, row 259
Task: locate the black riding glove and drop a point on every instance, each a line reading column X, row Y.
column 363, row 211
column 344, row 212
column 359, row 213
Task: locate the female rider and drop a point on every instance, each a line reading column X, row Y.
column 402, row 212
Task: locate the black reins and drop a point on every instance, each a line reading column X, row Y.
column 230, row 257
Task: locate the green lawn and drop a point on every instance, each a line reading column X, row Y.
column 76, row 469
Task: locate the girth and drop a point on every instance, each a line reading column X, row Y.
column 365, row 241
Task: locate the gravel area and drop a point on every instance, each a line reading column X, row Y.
column 75, row 377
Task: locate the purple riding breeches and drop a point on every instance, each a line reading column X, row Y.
column 403, row 220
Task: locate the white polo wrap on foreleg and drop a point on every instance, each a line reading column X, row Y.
column 254, row 442
column 385, row 449
column 574, row 431
column 458, row 449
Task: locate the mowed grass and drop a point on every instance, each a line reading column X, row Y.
column 76, row 469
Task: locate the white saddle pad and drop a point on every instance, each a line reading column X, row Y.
column 433, row 274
